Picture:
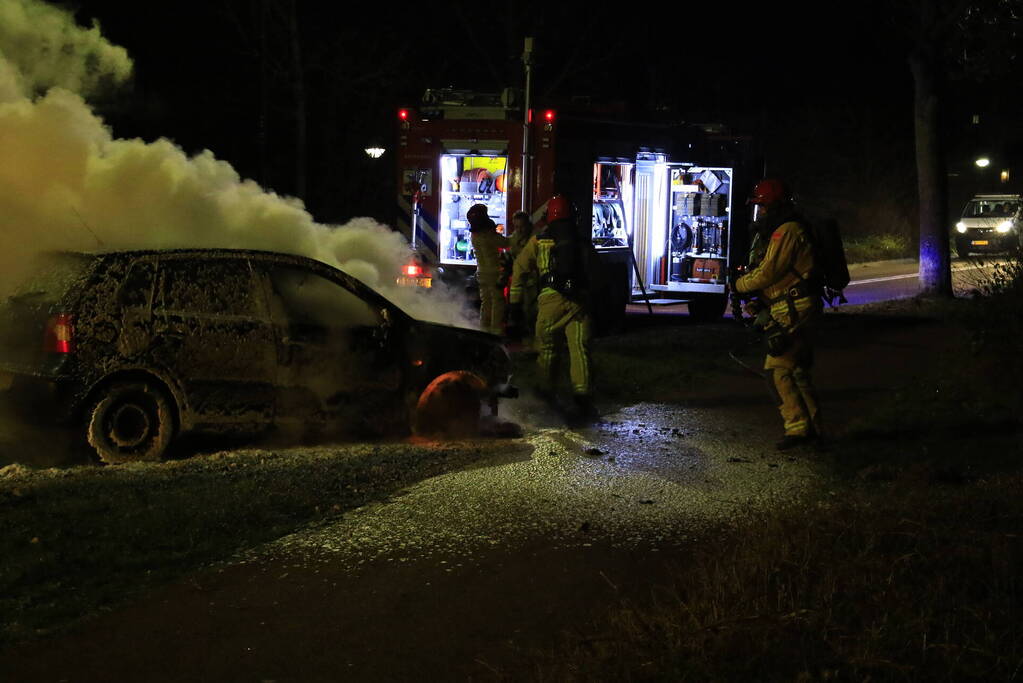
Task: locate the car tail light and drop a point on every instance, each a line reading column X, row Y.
column 413, row 270
column 59, row 336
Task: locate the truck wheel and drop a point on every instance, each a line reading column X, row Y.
column 963, row 248
column 450, row 406
column 707, row 309
column 131, row 421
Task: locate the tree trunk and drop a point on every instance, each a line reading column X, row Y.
column 932, row 178
column 298, row 88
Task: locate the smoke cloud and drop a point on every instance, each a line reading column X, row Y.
column 67, row 183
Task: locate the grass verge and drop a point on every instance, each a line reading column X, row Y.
column 866, row 248
column 909, row 580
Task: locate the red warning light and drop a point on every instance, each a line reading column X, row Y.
column 403, row 114
column 549, row 115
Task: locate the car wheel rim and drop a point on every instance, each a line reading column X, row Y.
column 130, row 426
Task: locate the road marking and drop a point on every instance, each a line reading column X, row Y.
column 883, row 279
column 917, row 274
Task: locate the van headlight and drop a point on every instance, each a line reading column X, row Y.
column 1004, row 226
column 960, row 227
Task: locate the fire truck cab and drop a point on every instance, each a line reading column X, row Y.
column 664, row 202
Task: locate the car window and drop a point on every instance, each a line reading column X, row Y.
column 137, row 286
column 310, row 299
column 985, row 208
column 207, row 286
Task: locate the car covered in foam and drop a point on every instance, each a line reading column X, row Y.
column 135, row 348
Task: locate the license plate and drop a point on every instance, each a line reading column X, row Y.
column 416, row 282
column 978, row 243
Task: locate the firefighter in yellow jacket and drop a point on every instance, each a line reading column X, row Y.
column 560, row 260
column 786, row 306
column 487, row 244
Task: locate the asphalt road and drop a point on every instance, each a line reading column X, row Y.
column 465, row 575
column 900, row 279
column 881, row 281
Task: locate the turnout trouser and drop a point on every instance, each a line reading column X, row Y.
column 559, row 321
column 788, row 379
column 492, row 308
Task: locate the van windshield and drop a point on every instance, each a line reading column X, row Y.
column 991, row 208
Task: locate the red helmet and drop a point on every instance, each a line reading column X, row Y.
column 476, row 212
column 769, row 191
column 558, row 207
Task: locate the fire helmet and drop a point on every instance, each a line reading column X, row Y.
column 769, row 191
column 476, row 214
column 558, row 207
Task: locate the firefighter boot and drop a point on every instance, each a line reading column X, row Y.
column 585, row 411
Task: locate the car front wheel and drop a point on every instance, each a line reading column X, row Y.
column 131, row 421
column 450, row 406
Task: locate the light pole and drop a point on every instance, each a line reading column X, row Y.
column 527, row 61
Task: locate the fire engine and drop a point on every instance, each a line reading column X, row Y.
column 665, row 202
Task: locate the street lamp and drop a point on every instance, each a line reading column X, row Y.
column 374, row 152
column 983, row 162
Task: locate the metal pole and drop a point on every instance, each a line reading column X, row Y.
column 527, row 60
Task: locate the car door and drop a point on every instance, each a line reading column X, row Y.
column 213, row 331
column 338, row 359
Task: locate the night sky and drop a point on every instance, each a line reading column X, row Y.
column 824, row 87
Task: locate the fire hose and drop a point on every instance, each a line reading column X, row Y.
column 736, row 302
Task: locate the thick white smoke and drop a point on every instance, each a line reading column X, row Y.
column 67, row 183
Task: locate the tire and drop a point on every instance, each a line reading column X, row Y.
column 706, row 309
column 450, row 406
column 130, row 421
column 962, row 248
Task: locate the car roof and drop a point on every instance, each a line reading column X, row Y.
column 997, row 196
column 255, row 254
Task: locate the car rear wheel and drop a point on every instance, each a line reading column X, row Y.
column 450, row 406
column 131, row 421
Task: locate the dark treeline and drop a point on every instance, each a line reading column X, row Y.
column 292, row 92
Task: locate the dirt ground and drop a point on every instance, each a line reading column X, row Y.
column 466, row 575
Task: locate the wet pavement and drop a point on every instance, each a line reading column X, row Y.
column 650, row 477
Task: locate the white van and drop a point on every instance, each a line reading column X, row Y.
column 990, row 223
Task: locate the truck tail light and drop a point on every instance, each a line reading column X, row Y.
column 59, row 335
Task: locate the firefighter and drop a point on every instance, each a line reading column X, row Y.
column 487, row 243
column 517, row 241
column 786, row 306
column 562, row 263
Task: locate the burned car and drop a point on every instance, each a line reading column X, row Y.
column 136, row 348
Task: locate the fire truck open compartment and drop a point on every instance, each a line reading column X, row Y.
column 468, row 179
column 673, row 216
